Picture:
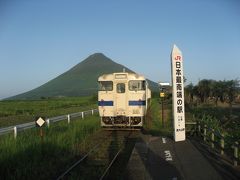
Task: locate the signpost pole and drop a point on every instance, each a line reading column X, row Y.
column 39, row 123
column 162, row 112
column 41, row 134
column 163, row 90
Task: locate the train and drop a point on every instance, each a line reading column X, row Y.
column 123, row 100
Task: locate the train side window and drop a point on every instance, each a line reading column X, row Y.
column 105, row 85
column 120, row 88
column 137, row 85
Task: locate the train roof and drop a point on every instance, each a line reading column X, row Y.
column 120, row 75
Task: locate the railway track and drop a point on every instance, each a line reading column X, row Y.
column 107, row 157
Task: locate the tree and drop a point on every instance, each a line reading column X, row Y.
column 216, row 90
column 189, row 92
column 232, row 89
column 225, row 91
column 204, row 89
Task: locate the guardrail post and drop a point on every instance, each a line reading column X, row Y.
column 205, row 133
column 15, row 131
column 48, row 123
column 222, row 144
column 235, row 161
column 212, row 139
column 68, row 118
column 53, row 119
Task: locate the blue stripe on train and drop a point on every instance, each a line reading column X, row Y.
column 105, row 103
column 137, row 103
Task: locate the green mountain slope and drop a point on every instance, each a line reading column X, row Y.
column 81, row 80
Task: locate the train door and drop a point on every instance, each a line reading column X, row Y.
column 121, row 99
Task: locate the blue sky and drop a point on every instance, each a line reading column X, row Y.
column 40, row 40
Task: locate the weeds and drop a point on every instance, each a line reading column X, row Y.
column 154, row 124
column 28, row 158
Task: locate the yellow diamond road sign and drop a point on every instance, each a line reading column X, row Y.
column 40, row 121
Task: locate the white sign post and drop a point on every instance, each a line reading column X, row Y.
column 39, row 123
column 178, row 94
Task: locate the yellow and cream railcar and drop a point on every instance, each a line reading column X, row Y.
column 123, row 99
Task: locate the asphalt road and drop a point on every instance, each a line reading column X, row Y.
column 162, row 158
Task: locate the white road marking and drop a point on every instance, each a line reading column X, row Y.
column 168, row 155
column 164, row 140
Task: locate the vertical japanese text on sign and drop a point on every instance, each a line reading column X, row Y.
column 178, row 94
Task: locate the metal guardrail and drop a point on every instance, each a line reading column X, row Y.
column 217, row 141
column 20, row 127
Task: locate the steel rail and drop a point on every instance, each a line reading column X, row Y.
column 80, row 160
column 110, row 165
column 114, row 158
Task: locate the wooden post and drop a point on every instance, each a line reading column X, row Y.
column 162, row 112
column 41, row 136
column 199, row 129
column 15, row 131
column 205, row 133
column 212, row 139
column 92, row 111
column 235, row 161
column 194, row 117
column 222, row 144
column 82, row 115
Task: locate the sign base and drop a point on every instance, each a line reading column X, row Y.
column 179, row 137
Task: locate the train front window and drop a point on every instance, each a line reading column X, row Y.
column 105, row 85
column 137, row 85
column 120, row 88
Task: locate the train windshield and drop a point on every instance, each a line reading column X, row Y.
column 137, row 85
column 120, row 88
column 105, row 85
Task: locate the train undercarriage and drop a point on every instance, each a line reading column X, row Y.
column 122, row 121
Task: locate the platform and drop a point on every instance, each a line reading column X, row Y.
column 162, row 158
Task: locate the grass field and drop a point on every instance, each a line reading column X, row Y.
column 27, row 157
column 153, row 124
column 30, row 157
column 17, row 112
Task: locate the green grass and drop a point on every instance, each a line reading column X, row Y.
column 219, row 119
column 28, row 158
column 153, row 123
column 17, row 112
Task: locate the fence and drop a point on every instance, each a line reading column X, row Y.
column 217, row 141
column 17, row 128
